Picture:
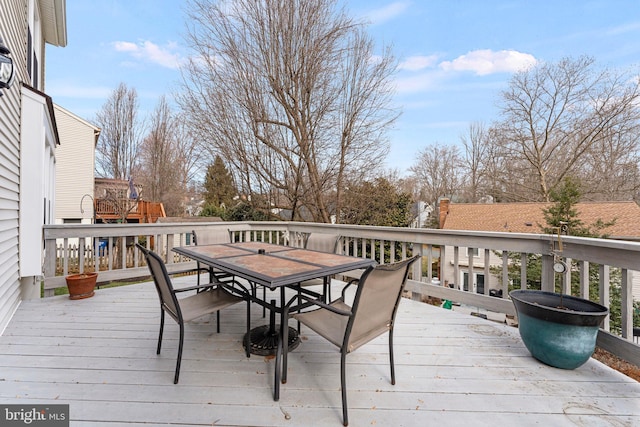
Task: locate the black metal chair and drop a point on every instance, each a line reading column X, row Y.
column 211, row 300
column 372, row 313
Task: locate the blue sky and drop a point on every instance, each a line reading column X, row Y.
column 454, row 56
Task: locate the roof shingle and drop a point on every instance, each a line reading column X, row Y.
column 529, row 218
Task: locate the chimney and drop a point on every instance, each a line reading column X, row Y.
column 444, row 210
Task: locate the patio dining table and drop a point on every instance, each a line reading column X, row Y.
column 277, row 267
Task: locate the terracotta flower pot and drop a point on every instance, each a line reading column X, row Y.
column 559, row 330
column 81, row 285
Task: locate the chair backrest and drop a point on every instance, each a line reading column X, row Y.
column 376, row 302
column 161, row 278
column 210, row 237
column 323, row 242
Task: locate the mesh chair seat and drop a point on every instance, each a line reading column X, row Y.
column 207, row 302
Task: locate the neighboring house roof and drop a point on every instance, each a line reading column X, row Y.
column 528, row 217
column 96, row 130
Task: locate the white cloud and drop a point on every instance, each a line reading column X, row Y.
column 486, row 61
column 417, row 83
column 384, row 14
column 416, row 63
column 125, row 46
column 164, row 56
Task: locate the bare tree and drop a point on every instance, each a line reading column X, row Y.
column 117, row 149
column 290, row 94
column 610, row 170
column 158, row 153
column 168, row 160
column 475, row 159
column 190, row 159
column 436, row 171
column 556, row 115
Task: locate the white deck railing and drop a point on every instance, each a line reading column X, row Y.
column 122, row 261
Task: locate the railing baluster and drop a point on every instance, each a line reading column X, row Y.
column 505, row 274
column 626, row 309
column 65, row 261
column 566, row 277
column 81, row 255
column 456, row 268
column 604, row 292
column 584, row 279
column 487, row 270
column 523, row 270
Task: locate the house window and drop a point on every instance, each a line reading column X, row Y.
column 474, row 251
column 29, row 51
column 34, row 45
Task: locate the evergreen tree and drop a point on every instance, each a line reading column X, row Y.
column 376, row 202
column 219, row 187
column 562, row 214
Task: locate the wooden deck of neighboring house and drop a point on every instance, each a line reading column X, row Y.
column 98, row 355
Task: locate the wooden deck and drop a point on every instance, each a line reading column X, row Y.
column 98, row 356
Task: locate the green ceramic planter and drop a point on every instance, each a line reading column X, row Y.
column 559, row 330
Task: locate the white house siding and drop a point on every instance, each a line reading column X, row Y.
column 75, row 167
column 13, row 33
column 14, row 18
column 37, row 184
column 635, row 288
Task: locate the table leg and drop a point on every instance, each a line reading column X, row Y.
column 285, row 344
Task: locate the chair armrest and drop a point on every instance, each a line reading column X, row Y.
column 192, row 288
column 351, row 282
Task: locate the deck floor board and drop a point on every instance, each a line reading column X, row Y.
column 98, row 355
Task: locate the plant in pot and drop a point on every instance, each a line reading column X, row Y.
column 81, row 285
column 558, row 330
